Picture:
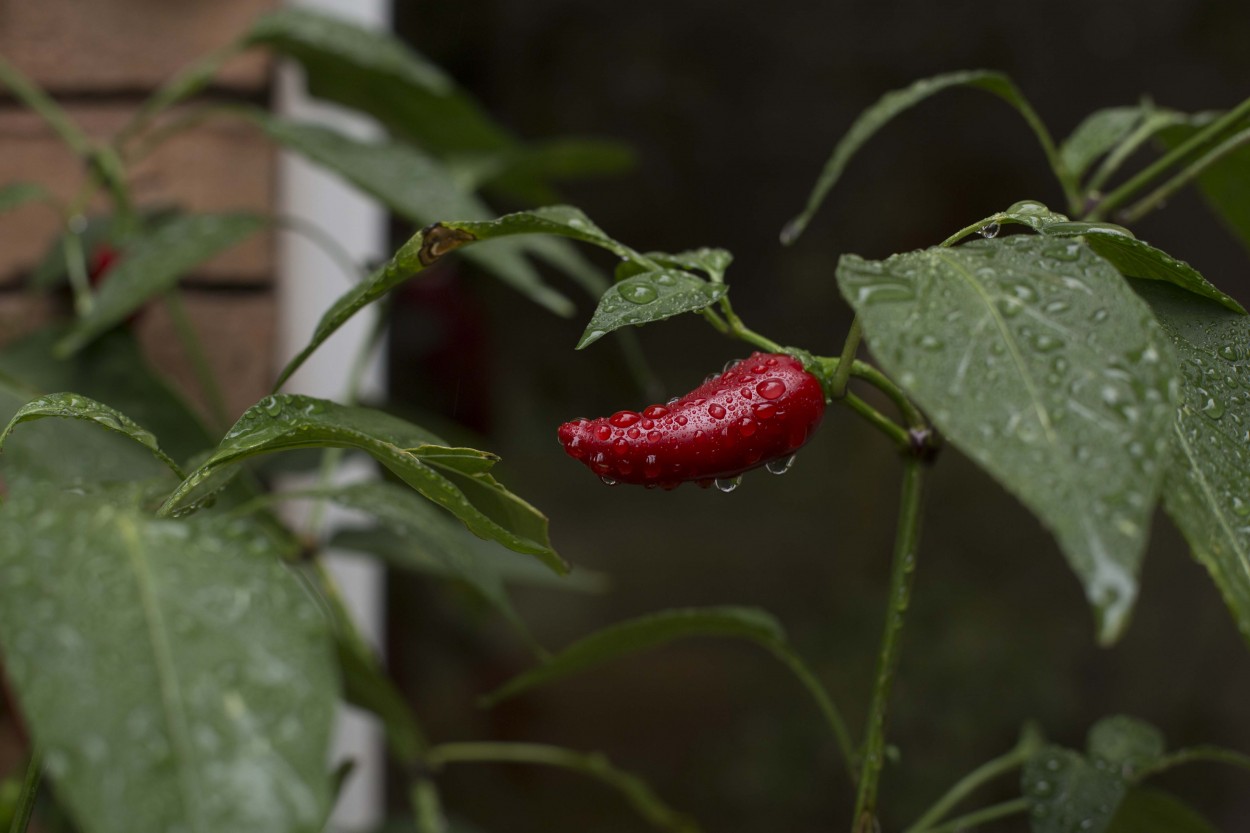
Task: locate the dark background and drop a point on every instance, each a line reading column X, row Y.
column 733, row 109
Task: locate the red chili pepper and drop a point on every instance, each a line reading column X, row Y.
column 758, row 411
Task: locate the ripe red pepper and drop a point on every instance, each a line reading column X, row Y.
column 758, row 411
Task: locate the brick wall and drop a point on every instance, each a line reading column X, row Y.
column 100, row 59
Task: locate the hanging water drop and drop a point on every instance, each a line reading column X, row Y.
column 607, row 481
column 728, row 484
column 990, row 231
column 781, row 466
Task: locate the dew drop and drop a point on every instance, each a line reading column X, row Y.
column 638, row 293
column 728, row 484
column 781, row 465
column 633, row 433
column 990, row 231
column 665, row 279
column 607, row 481
column 647, row 424
column 716, row 411
column 603, row 432
column 655, row 411
column 746, row 427
column 764, row 410
column 730, row 365
column 654, row 437
column 682, row 420
column 650, row 467
column 271, row 405
column 624, row 419
column 771, row 388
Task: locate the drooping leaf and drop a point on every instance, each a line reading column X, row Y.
column 1205, row 483
column 1035, row 358
column 1135, row 258
column 894, row 103
column 1096, row 135
column 417, row 186
column 75, row 406
column 544, row 161
column 1146, row 810
column 1068, row 794
column 430, row 244
column 1125, row 745
column 366, row 686
column 647, row 297
column 152, row 263
column 455, row 478
column 376, row 73
column 175, row 674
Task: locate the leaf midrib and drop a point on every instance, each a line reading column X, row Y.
column 171, row 695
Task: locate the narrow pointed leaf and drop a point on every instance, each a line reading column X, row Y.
column 376, row 73
column 1135, row 258
column 152, row 263
column 893, row 104
column 1205, row 490
column 648, row 297
column 552, row 159
column 366, row 686
column 1096, row 135
column 417, row 186
column 454, row 478
column 1225, row 185
column 175, row 675
column 75, row 406
column 1036, row 359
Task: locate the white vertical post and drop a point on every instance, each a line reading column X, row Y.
column 308, row 283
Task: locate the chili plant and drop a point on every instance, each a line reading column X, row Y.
column 175, row 649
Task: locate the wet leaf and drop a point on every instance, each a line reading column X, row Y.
column 1135, row 258
column 175, row 674
column 366, row 686
column 1036, row 359
column 1125, row 745
column 455, row 478
column 1205, row 483
column 1225, row 185
column 152, row 263
column 75, row 406
column 898, row 101
column 1067, row 794
column 648, row 297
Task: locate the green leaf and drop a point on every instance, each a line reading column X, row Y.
column 18, row 193
column 712, row 262
column 647, row 297
column 432, row 243
column 376, row 73
column 1135, row 258
column 543, row 161
column 1029, row 213
column 1096, row 135
column 175, row 674
column 417, row 186
column 893, row 104
column 152, row 263
column 1125, row 745
column 366, row 686
column 1154, row 811
column 51, row 271
column 1205, row 482
column 1067, row 794
column 75, row 406
column 1035, row 358
column 454, row 478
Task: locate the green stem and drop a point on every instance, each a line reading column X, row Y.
column 325, row 241
column 1126, row 191
column 427, row 809
column 1195, row 754
column 967, row 230
column 30, row 791
column 739, row 330
column 42, row 104
column 880, row 421
column 76, row 268
column 194, row 350
column 967, row 785
column 595, row 765
column 902, row 571
column 991, row 813
column 913, row 416
column 1156, row 198
column 842, row 373
column 1149, row 126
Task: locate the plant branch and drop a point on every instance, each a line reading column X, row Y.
column 971, row 820
column 832, row 716
column 186, row 83
column 842, row 373
column 1207, row 134
column 1157, row 197
column 902, row 571
column 1195, row 754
